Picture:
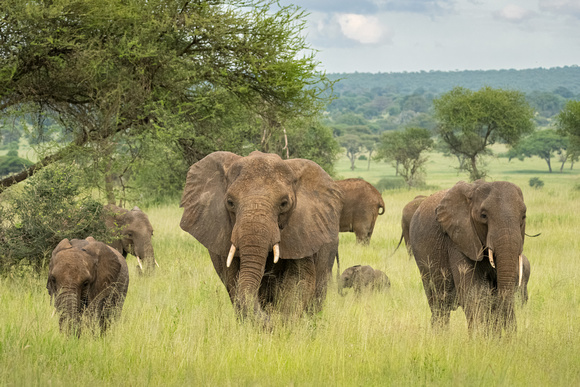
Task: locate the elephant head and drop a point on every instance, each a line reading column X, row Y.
column 251, row 209
column 85, row 277
column 486, row 222
column 135, row 233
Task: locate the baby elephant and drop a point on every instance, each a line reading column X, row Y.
column 362, row 277
column 87, row 280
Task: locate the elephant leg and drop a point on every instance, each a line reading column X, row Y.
column 298, row 287
column 439, row 289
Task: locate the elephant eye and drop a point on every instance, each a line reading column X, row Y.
column 284, row 203
column 230, row 203
column 483, row 215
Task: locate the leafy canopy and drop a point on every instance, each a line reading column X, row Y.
column 406, row 150
column 543, row 143
column 129, row 67
column 470, row 121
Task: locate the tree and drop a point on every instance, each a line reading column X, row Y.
column 406, row 149
column 471, row 121
column 568, row 120
column 353, row 146
column 105, row 68
column 543, row 143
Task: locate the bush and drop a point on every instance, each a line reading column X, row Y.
column 362, row 157
column 535, row 182
column 48, row 207
column 389, row 183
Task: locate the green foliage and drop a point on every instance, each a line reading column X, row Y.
column 536, row 182
column 11, row 163
column 543, row 143
column 387, row 183
column 406, row 150
column 362, row 157
column 568, row 120
column 471, row 121
column 50, row 206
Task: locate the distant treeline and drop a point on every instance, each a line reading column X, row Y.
column 564, row 79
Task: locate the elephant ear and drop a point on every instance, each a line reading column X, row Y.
column 315, row 219
column 454, row 216
column 205, row 216
column 106, row 263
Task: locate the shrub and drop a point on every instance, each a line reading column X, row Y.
column 50, row 206
column 535, row 182
column 389, row 183
column 362, row 157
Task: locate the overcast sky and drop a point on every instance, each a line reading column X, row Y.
column 414, row 35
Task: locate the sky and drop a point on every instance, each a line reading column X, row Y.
column 447, row 35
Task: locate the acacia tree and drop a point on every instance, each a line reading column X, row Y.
column 406, row 150
column 470, row 121
column 543, row 143
column 126, row 68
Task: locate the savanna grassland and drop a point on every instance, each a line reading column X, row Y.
column 179, row 328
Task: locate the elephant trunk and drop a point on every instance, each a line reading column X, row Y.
column 254, row 236
column 144, row 251
column 67, row 303
column 506, row 252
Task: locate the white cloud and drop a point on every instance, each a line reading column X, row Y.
column 364, row 29
column 514, row 13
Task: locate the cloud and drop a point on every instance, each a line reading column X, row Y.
column 370, row 7
column 564, row 7
column 364, row 29
column 514, row 13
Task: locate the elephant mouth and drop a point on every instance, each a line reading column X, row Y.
column 520, row 265
column 275, row 250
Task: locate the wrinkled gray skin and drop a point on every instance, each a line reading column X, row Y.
column 363, row 277
column 361, row 204
column 452, row 233
column 135, row 231
column 254, row 203
column 87, row 280
column 408, row 212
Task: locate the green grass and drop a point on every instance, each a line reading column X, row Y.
column 179, row 328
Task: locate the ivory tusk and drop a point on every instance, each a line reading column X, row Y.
column 231, row 255
column 53, row 313
column 521, row 270
column 276, row 249
column 490, row 251
column 157, row 263
column 139, row 262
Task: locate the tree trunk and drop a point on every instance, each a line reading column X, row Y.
column 549, row 164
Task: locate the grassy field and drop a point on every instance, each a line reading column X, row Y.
column 179, row 328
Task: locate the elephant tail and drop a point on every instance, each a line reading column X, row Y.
column 337, row 268
column 381, row 207
column 396, row 248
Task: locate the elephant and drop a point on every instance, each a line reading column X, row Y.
column 135, row 233
column 468, row 242
column 408, row 212
column 361, row 205
column 87, row 280
column 270, row 226
column 363, row 277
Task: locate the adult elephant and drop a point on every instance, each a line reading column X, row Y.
column 134, row 232
column 270, row 226
column 89, row 279
column 468, row 243
column 361, row 204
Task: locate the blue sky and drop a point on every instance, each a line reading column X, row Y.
column 414, row 35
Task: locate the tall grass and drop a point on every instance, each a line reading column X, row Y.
column 179, row 328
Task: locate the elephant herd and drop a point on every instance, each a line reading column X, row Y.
column 271, row 229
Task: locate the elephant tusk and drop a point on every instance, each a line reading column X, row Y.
column 491, row 257
column 157, row 263
column 231, row 255
column 139, row 262
column 53, row 313
column 276, row 249
column 521, row 270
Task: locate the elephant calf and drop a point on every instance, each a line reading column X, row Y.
column 87, row 280
column 363, row 277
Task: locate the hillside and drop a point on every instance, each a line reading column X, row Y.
column 560, row 79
